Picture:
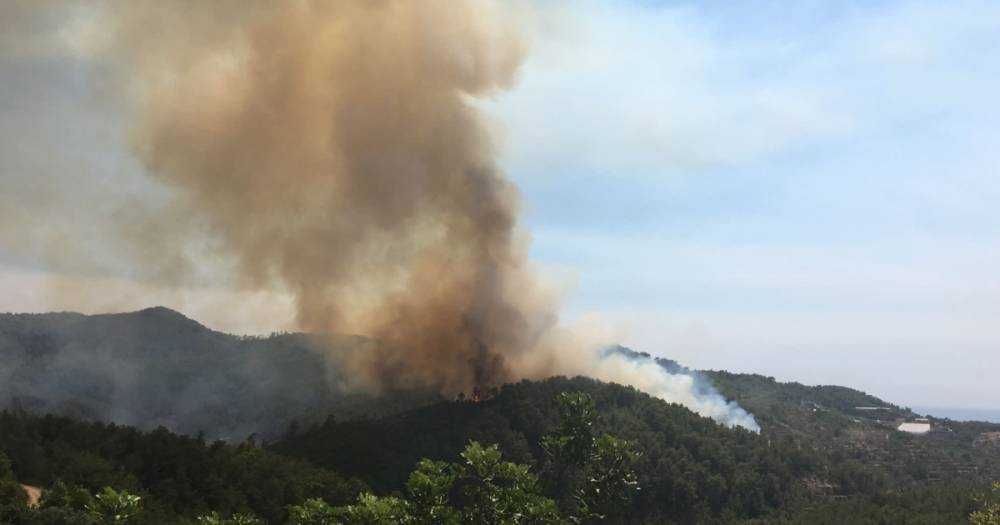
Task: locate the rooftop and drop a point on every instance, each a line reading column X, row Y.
column 915, row 428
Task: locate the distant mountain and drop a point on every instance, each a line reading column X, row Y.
column 157, row 367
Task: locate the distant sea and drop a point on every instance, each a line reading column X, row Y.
column 961, row 414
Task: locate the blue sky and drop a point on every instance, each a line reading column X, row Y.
column 802, row 189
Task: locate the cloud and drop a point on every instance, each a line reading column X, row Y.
column 655, row 91
column 793, row 188
column 634, row 89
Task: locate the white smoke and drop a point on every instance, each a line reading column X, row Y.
column 686, row 389
column 573, row 350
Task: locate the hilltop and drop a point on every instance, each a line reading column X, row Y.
column 156, row 367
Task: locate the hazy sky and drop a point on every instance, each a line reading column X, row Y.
column 808, row 190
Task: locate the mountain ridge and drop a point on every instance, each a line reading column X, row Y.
column 162, row 368
column 158, row 367
column 208, row 370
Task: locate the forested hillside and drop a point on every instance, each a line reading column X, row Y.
column 691, row 468
column 827, row 419
column 175, row 475
column 156, row 368
column 825, row 454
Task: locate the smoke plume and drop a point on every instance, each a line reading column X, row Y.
column 332, row 151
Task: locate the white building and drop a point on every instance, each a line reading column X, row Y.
column 915, row 428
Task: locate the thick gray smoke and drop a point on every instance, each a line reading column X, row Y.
column 331, row 151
